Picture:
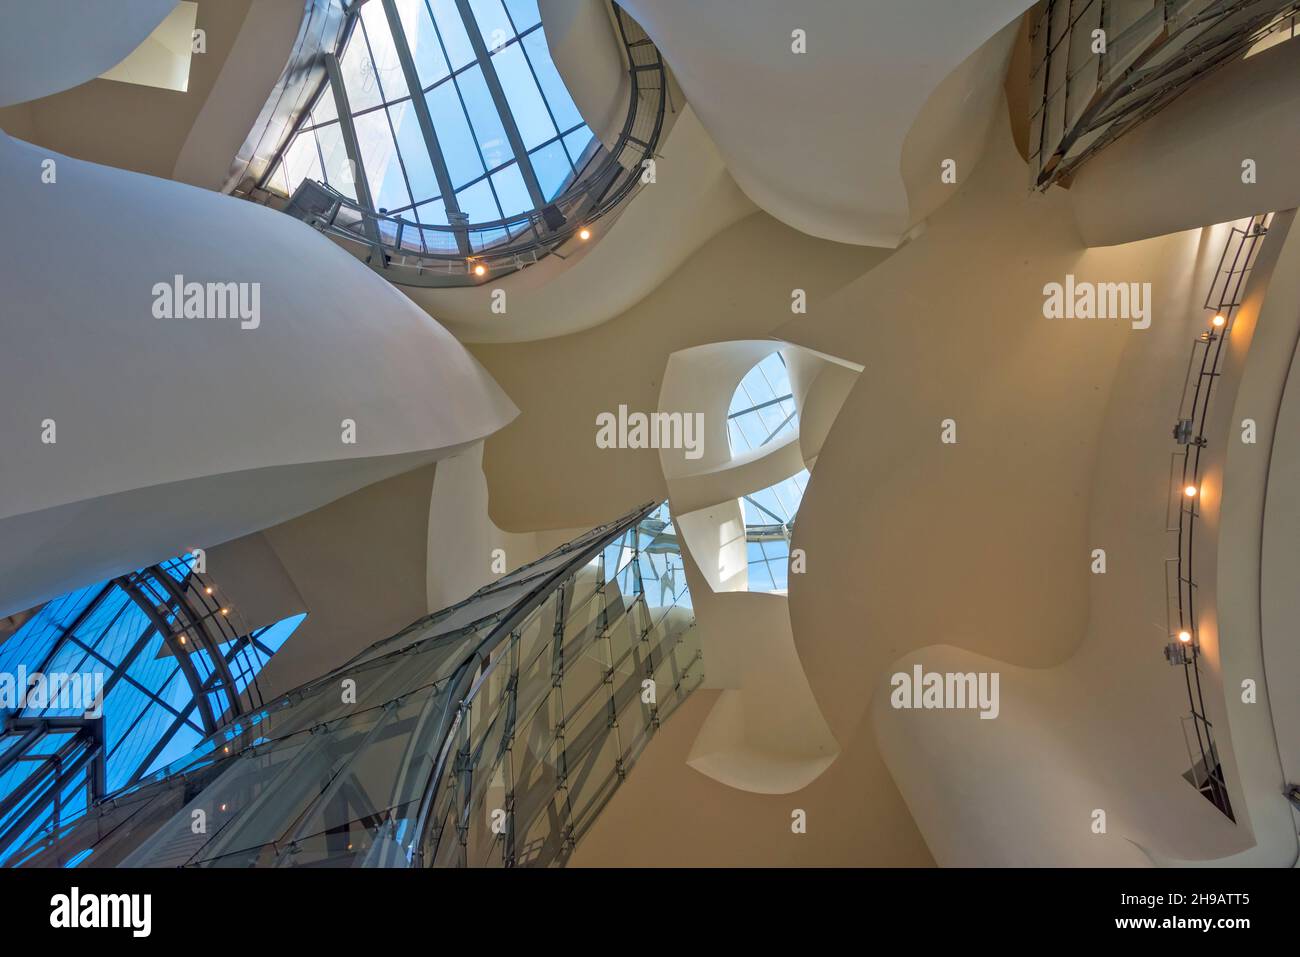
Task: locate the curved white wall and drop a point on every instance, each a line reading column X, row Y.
column 233, row 428
column 817, row 138
column 765, row 733
column 53, row 45
column 630, row 254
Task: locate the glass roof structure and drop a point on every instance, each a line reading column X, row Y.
column 453, row 108
column 146, row 664
column 527, row 703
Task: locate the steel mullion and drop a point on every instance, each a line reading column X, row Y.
column 353, row 149
column 423, row 117
column 502, row 104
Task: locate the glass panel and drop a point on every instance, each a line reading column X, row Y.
column 512, row 194
column 524, row 13
column 452, row 30
column 379, row 157
column 383, row 53
column 490, row 134
column 422, row 38
column 553, row 88
column 338, row 168
column 493, row 23
column 551, row 164
column 576, row 143
column 478, row 202
column 459, row 148
column 526, row 103
column 359, row 80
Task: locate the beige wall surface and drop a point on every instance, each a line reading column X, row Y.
column 139, row 128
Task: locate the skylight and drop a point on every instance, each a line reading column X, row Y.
column 762, row 409
column 505, row 137
column 769, row 516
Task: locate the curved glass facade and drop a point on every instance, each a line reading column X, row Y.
column 108, row 683
column 454, row 109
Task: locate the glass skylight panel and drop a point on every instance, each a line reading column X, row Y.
column 557, row 95
column 524, row 13
column 762, row 408
column 474, row 141
column 383, row 53
column 484, row 118
column 512, row 194
column 526, row 103
column 452, row 30
column 551, row 165
column 493, row 23
column 420, row 175
column 379, row 157
column 359, row 79
column 422, row 39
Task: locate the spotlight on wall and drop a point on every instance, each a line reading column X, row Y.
column 1219, row 320
column 208, row 590
column 1185, row 636
column 1190, row 491
column 225, row 611
column 584, row 234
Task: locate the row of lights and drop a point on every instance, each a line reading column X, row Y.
column 1190, row 492
column 207, row 590
column 479, row 268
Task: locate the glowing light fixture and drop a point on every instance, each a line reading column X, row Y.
column 1218, row 321
column 584, row 234
column 1190, row 491
column 1185, row 637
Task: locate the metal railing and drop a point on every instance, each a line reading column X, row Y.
column 490, row 733
column 1183, row 508
column 415, row 254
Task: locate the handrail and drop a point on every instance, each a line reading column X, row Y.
column 416, row 254
column 1223, row 299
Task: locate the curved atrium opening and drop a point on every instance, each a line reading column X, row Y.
column 364, row 491
column 763, row 412
column 443, row 133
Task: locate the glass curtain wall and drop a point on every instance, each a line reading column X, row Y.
column 133, row 673
column 488, row 734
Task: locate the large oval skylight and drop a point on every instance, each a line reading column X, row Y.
column 503, row 135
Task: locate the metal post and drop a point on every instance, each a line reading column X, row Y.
column 421, row 108
column 354, row 151
column 503, row 106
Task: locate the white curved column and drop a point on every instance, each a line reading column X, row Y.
column 171, row 433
